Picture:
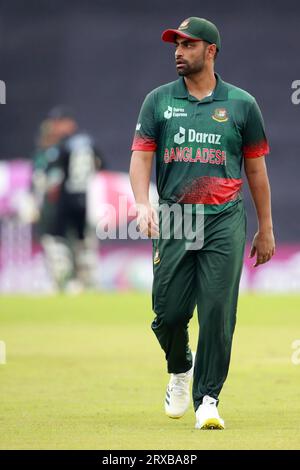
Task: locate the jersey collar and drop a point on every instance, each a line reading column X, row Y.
column 220, row 92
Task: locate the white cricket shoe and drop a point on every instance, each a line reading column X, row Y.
column 178, row 393
column 207, row 415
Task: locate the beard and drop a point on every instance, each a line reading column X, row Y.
column 186, row 69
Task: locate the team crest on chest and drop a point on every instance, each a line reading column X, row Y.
column 220, row 115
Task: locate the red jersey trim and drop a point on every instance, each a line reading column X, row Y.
column 143, row 143
column 256, row 150
column 211, row 190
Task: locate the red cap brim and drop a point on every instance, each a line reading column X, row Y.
column 169, row 35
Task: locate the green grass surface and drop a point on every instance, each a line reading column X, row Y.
column 87, row 373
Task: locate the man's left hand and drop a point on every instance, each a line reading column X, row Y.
column 263, row 246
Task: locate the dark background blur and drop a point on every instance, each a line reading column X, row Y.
column 102, row 57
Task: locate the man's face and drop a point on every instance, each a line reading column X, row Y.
column 189, row 56
column 63, row 127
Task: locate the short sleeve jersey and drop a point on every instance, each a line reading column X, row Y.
column 200, row 144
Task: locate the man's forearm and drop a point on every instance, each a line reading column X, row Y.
column 140, row 174
column 263, row 244
column 261, row 194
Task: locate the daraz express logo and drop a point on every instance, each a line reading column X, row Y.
column 174, row 112
column 191, row 135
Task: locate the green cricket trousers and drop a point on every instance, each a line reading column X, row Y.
column 208, row 278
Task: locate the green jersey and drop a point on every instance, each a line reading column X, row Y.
column 200, row 144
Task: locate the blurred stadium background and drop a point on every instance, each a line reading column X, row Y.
column 101, row 58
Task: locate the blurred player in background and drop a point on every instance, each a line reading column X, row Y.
column 64, row 163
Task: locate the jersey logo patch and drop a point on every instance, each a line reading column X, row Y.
column 220, row 115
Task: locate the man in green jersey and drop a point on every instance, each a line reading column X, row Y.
column 202, row 130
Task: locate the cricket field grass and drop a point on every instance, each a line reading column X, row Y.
column 87, row 372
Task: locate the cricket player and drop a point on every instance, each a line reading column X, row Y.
column 202, row 130
column 69, row 162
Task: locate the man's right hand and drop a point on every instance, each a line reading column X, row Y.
column 147, row 220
